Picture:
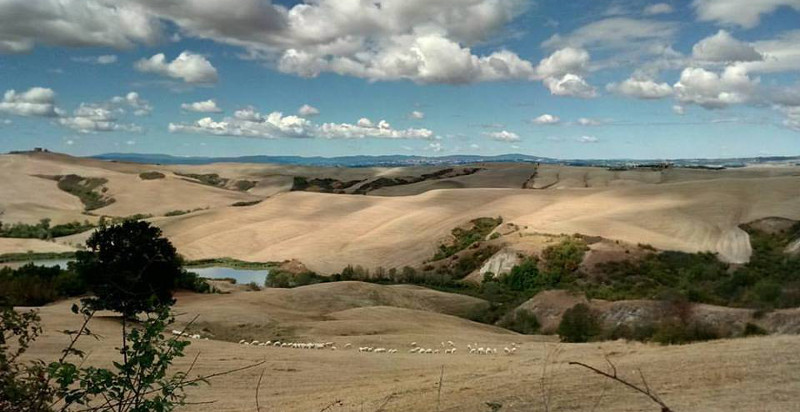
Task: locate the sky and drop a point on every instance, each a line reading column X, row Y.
column 566, row 79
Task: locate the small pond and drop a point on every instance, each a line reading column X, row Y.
column 242, row 276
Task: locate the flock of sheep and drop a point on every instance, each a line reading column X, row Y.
column 449, row 348
column 187, row 335
column 292, row 345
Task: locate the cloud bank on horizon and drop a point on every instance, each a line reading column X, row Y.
column 629, row 76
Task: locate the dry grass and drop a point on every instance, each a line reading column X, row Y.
column 729, row 375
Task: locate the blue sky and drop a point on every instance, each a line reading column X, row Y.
column 579, row 79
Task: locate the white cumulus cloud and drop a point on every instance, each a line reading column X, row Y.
column 658, row 8
column 89, row 118
column 641, row 88
column 561, row 73
column 104, row 59
column 744, row 13
column 36, row 101
column 75, row 23
column 248, row 122
column 722, row 47
column 504, row 136
column 140, row 106
column 713, row 91
column 416, row 115
column 307, row 111
column 205, row 106
column 547, row 119
column 570, row 85
column 417, row 40
column 188, row 66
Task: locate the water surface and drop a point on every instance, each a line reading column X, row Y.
column 242, row 276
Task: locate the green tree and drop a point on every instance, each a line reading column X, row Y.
column 564, row 258
column 130, row 268
column 523, row 276
column 579, row 324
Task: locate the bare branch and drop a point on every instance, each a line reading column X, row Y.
column 258, row 385
column 385, row 402
column 439, row 394
column 337, row 402
column 646, row 391
column 611, row 364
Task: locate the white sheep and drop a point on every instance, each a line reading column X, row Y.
column 380, row 350
column 507, row 350
column 333, row 347
column 429, row 350
column 436, row 351
column 242, row 342
column 451, row 343
column 177, row 332
column 347, row 345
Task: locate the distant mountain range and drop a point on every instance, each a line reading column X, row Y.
column 401, row 160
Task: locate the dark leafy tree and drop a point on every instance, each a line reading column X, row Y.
column 523, row 276
column 130, row 268
column 579, row 324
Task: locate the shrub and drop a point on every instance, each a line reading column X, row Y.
column 676, row 332
column 522, row 321
column 85, row 189
column 210, row 179
column 281, row 279
column 246, row 203
column 192, row 282
column 245, row 185
column 177, row 212
column 751, row 329
column 767, row 292
column 464, row 238
column 564, row 258
column 151, row 175
column 252, row 287
column 32, row 285
column 488, row 314
column 579, row 324
column 43, row 230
